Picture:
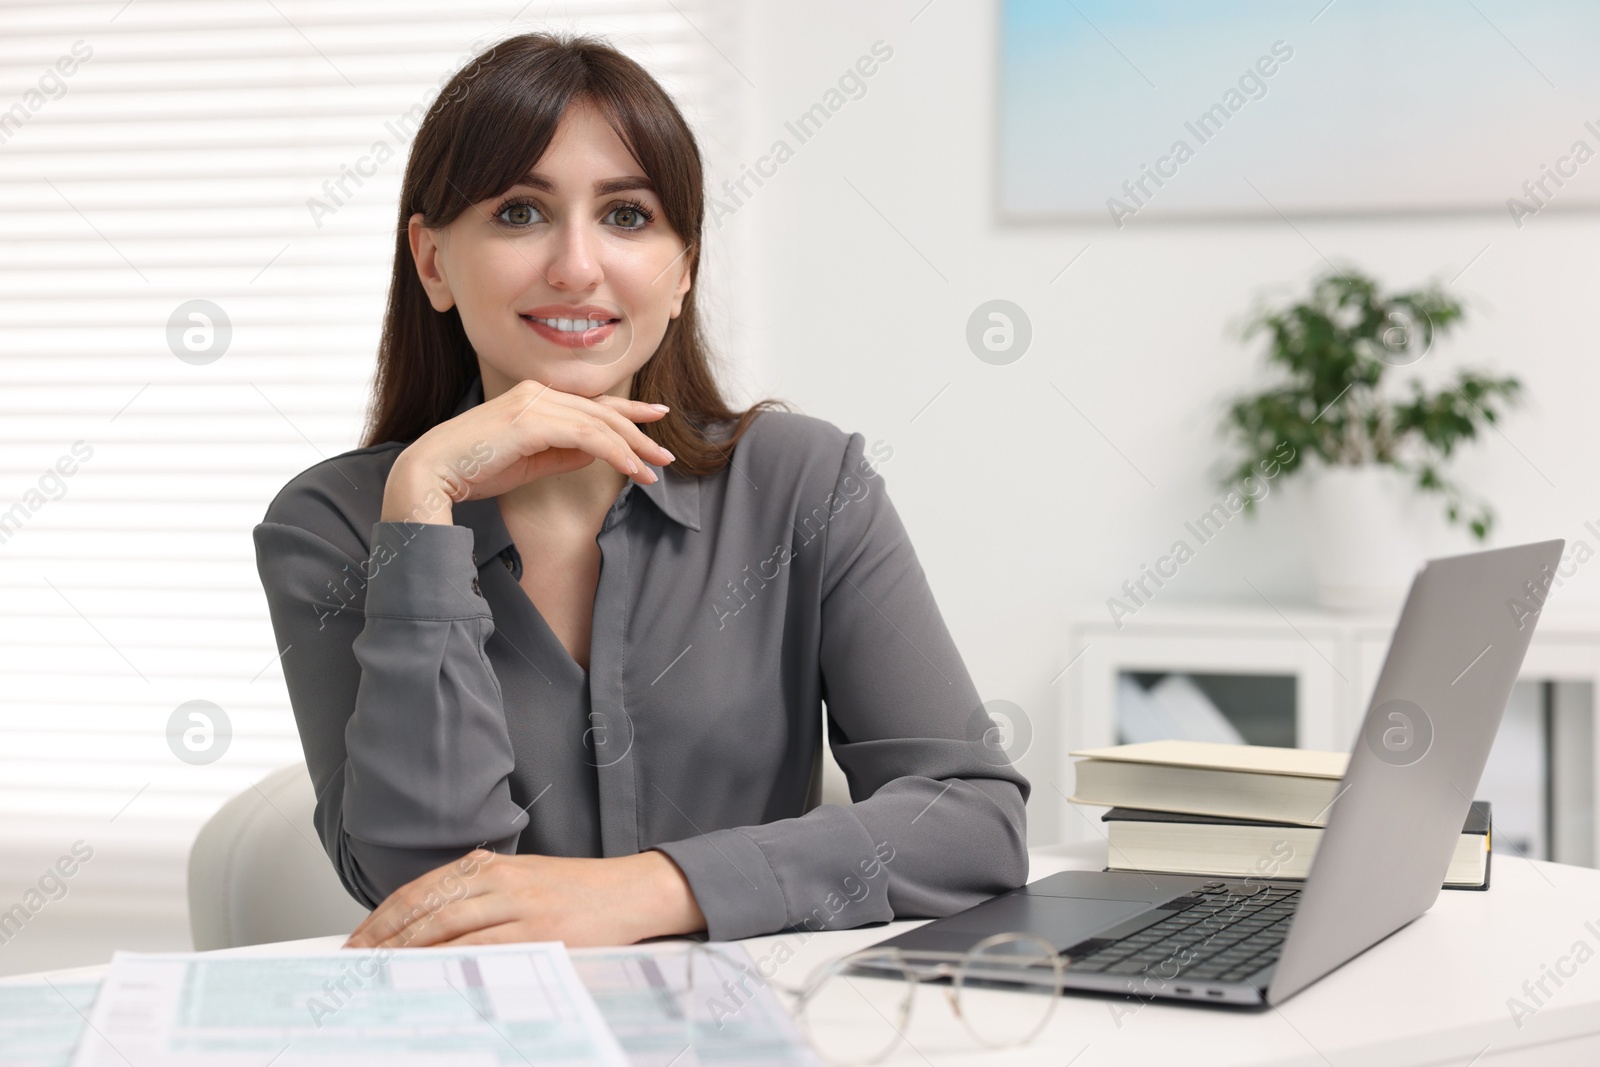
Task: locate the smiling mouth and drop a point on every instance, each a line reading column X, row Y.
column 571, row 325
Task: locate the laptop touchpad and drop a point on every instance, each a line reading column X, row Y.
column 1062, row 921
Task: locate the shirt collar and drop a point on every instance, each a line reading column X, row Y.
column 675, row 495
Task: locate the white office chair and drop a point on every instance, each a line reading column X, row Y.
column 257, row 872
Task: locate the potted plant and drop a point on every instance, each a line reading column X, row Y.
column 1373, row 452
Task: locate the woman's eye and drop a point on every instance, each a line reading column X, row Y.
column 626, row 216
column 518, row 214
column 630, row 218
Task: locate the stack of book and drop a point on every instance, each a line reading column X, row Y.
column 1198, row 807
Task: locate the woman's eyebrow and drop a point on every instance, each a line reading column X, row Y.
column 604, row 187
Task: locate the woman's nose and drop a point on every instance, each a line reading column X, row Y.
column 574, row 259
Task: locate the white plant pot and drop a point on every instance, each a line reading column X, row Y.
column 1371, row 528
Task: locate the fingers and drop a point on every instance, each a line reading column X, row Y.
column 575, row 429
column 414, row 903
column 621, row 414
column 389, row 919
column 637, row 439
column 603, row 428
column 532, row 430
column 632, row 411
column 456, row 919
column 529, row 393
column 495, row 935
column 630, row 406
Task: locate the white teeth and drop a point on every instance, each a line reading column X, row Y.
column 571, row 325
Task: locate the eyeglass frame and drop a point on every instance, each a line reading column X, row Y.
column 951, row 965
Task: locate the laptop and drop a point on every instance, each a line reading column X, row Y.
column 1414, row 767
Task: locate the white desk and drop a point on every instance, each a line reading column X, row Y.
column 1434, row 993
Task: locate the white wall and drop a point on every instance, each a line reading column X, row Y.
column 1022, row 509
column 845, row 285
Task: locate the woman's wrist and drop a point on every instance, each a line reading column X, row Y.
column 669, row 901
column 413, row 493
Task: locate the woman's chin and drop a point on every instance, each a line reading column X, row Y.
column 569, row 373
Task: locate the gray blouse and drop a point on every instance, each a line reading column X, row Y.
column 439, row 712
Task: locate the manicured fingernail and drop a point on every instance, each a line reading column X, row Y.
column 633, row 468
column 661, row 407
column 669, row 455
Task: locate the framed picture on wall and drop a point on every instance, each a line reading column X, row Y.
column 1118, row 113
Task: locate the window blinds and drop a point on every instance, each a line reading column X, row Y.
column 182, row 329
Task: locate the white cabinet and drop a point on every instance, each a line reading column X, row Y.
column 1541, row 777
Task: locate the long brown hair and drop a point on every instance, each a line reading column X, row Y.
column 494, row 117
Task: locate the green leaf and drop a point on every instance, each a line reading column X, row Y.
column 1329, row 361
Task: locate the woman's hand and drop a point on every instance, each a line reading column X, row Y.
column 486, row 898
column 529, row 431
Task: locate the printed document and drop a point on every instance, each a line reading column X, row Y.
column 465, row 1007
column 728, row 1016
column 40, row 1021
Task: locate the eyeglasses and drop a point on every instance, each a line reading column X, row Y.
column 856, row 1010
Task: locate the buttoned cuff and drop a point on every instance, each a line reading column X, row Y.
column 733, row 883
column 423, row 571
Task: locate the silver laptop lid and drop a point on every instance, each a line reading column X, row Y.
column 1415, row 764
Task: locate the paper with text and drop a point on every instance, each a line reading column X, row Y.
column 728, row 1016
column 465, row 1007
column 41, row 1021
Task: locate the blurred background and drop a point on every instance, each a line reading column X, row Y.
column 981, row 243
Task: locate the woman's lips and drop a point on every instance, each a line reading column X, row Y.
column 590, row 338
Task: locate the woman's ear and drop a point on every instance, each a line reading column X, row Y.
column 426, row 254
column 683, row 286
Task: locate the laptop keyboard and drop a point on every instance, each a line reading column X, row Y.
column 1224, row 931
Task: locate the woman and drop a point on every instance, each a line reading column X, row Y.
column 557, row 639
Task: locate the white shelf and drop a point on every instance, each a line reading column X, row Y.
column 1334, row 658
